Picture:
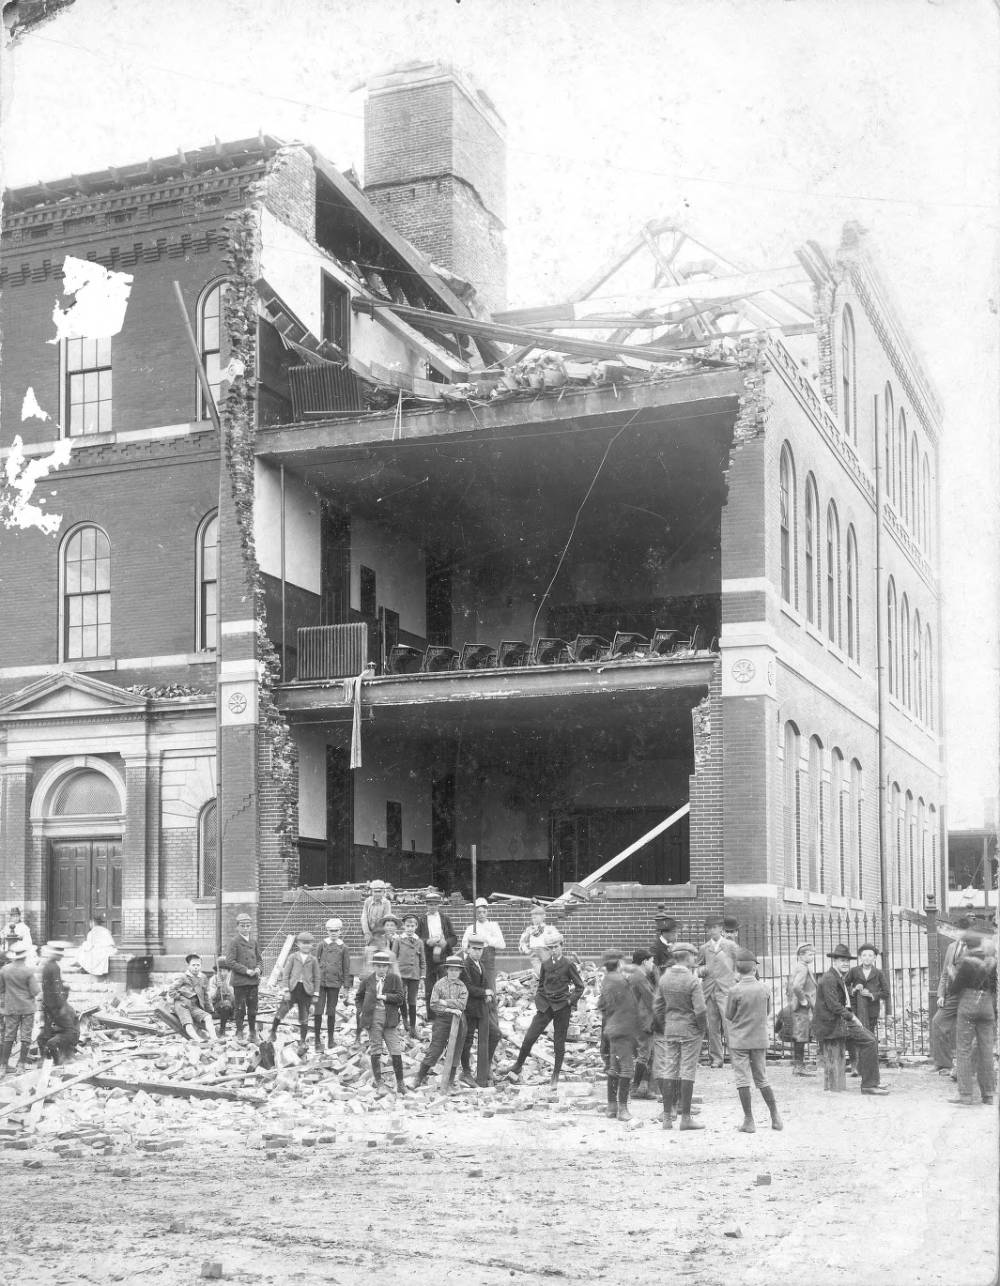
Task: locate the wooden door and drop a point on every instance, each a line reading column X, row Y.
column 86, row 881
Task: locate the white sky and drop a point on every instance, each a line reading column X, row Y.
column 760, row 123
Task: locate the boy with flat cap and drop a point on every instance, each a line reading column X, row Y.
column 679, row 1022
column 449, row 998
column 532, row 941
column 642, row 979
column 334, row 960
column 747, row 1007
column 381, row 1001
column 191, row 1005
column 301, row 981
column 622, row 1026
column 245, row 963
column 868, row 989
column 559, row 989
column 480, row 1005
column 834, row 1019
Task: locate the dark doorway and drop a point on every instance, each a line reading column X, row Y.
column 86, row 880
column 443, row 830
column 335, row 568
column 438, row 604
column 585, row 838
column 339, row 817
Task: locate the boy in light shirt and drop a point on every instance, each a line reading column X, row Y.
column 747, row 1006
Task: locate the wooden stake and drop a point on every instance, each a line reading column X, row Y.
column 63, row 1085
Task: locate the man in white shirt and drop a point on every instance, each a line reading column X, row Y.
column 439, row 938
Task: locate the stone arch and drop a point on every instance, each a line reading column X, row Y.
column 54, row 777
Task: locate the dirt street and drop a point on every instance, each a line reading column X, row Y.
column 550, row 1190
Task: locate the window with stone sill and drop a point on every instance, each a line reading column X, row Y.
column 87, row 367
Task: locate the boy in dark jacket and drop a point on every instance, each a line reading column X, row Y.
column 480, row 1005
column 380, row 1002
column 642, row 980
column 244, row 960
column 868, row 991
column 62, row 1035
column 622, row 1026
column 18, row 992
column 747, row 1005
column 834, row 1019
column 190, row 1001
column 300, row 977
column 334, row 961
column 410, row 961
column 559, row 989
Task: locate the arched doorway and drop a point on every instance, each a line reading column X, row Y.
column 79, row 809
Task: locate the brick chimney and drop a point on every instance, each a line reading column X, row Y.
column 436, row 167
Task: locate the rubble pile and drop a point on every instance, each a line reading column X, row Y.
column 136, row 1085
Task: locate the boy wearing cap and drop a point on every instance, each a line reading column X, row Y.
column 409, row 953
column 679, row 1022
column 834, row 1019
column 622, row 1026
column 449, row 998
column 435, row 930
column 374, row 909
column 717, row 970
column 747, row 1006
column 642, row 980
column 245, row 963
column 301, row 981
column 334, row 960
column 380, row 1002
column 190, row 1000
column 559, row 989
column 868, row 991
column 480, row 1005
column 19, row 990
column 532, row 940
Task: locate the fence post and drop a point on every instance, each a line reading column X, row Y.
column 933, row 954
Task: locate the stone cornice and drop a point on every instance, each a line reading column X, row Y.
column 178, row 246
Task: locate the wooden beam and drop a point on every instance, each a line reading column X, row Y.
column 178, row 1089
column 438, row 357
column 126, row 1024
column 52, row 1091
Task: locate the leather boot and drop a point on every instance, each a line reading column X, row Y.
column 667, row 1093
column 612, row 1109
column 420, row 1077
column 748, row 1126
column 624, row 1087
column 330, row 1028
column 397, row 1067
column 767, row 1094
column 5, row 1049
column 687, row 1121
column 317, row 1039
column 376, row 1062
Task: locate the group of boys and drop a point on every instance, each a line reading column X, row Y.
column 22, row 986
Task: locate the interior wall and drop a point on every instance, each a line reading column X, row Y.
column 311, row 743
column 398, row 772
column 400, row 573
column 302, row 527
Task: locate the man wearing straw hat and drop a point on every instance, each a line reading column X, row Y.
column 19, row 988
column 835, row 1019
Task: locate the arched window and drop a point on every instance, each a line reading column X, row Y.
column 840, row 818
column 853, row 590
column 786, row 488
column 847, row 374
column 832, row 574
column 901, row 466
column 817, row 818
column 208, row 850
column 210, row 344
column 913, row 503
column 904, row 651
column 856, row 845
column 207, row 574
column 86, row 793
column 812, row 552
column 925, row 506
column 891, row 631
column 931, row 714
column 910, row 833
column 793, row 808
column 896, row 821
column 86, row 594
column 890, row 445
column 918, row 669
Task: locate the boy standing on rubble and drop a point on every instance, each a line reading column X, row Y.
column 334, row 961
column 747, row 1006
column 190, row 1001
column 244, row 961
column 409, row 953
column 559, row 989
column 301, row 980
column 19, row 990
column 532, row 941
column 448, row 999
column 380, row 1001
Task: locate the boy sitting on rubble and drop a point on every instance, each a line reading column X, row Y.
column 190, row 1001
column 448, row 999
column 62, row 1034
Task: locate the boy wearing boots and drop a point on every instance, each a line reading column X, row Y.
column 480, row 1005
column 62, row 1035
column 642, row 980
column 334, row 960
column 559, row 989
column 410, row 960
column 222, row 997
column 380, row 1002
column 747, row 1007
column 246, row 964
column 448, row 998
column 680, row 1023
column 19, row 989
column 189, row 998
column 301, row 980
column 622, row 1025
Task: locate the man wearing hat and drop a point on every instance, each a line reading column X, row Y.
column 666, row 936
column 834, row 1019
column 449, row 998
column 19, row 989
column 680, row 1023
column 484, row 928
column 381, row 1000
column 868, row 990
column 622, row 1029
column 717, row 970
column 439, row 938
column 334, row 960
column 246, row 964
column 480, row 1005
column 943, row 1023
column 374, row 909
column 559, row 989
column 54, row 990
column 301, row 981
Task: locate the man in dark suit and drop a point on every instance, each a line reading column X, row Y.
column 244, row 960
column 834, row 1019
column 666, row 936
column 868, row 990
column 434, row 929
column 479, row 1005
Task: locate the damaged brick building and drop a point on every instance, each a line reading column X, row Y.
column 530, row 580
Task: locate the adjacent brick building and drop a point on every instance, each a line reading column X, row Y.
column 589, row 592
